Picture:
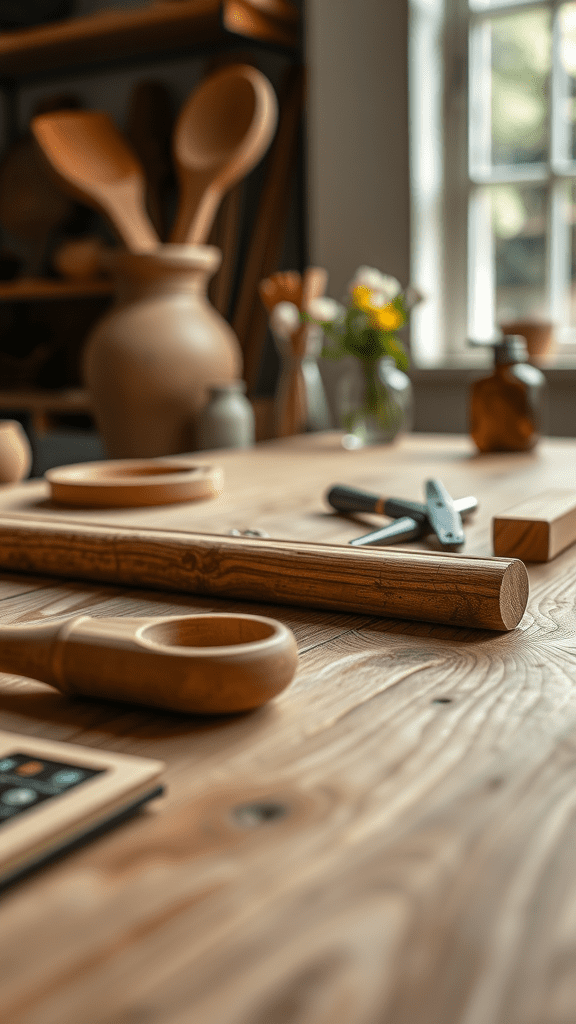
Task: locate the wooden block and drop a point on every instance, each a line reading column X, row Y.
column 538, row 529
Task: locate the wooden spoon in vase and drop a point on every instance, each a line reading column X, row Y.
column 222, row 132
column 97, row 166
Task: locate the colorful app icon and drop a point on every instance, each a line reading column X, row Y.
column 67, row 777
column 30, row 768
column 18, row 797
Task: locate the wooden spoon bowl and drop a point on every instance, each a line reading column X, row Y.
column 96, row 165
column 222, row 131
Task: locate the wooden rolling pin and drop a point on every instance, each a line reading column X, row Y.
column 459, row 590
column 212, row 663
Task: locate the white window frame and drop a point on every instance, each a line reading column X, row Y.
column 447, row 197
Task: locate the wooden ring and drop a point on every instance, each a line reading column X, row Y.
column 133, row 482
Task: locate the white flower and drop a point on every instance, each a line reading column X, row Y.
column 379, row 299
column 285, row 320
column 385, row 286
column 325, row 309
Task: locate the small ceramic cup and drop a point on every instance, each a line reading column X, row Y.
column 15, row 452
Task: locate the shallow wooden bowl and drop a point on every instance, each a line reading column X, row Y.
column 133, row 482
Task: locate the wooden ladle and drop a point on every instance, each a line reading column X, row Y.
column 96, row 165
column 204, row 664
column 222, row 131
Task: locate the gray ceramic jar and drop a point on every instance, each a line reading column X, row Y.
column 227, row 421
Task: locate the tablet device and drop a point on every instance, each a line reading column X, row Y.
column 56, row 795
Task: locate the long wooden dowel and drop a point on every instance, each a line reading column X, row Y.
column 459, row 590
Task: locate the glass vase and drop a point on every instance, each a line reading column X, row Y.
column 373, row 401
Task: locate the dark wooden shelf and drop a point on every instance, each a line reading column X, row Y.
column 31, row 289
column 164, row 26
column 38, row 400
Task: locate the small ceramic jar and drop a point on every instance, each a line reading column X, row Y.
column 227, row 421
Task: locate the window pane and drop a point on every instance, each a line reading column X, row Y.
column 519, row 225
column 508, row 254
column 571, row 334
column 566, row 114
column 521, row 61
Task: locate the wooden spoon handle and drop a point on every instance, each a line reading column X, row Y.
column 207, row 663
column 459, row 590
column 197, row 207
column 126, row 212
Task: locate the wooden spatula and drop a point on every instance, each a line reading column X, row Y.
column 222, row 131
column 97, row 166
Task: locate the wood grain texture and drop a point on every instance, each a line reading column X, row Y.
column 488, row 593
column 390, row 840
column 538, row 529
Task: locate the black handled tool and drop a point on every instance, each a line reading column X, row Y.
column 411, row 518
column 349, row 499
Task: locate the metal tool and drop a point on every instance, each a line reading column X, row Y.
column 444, row 517
column 412, row 519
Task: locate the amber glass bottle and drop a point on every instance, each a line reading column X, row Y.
column 506, row 407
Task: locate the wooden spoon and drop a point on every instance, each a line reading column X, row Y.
column 97, row 166
column 222, row 131
column 213, row 663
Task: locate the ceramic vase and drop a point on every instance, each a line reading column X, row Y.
column 149, row 363
column 373, row 401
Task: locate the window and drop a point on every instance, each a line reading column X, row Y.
column 502, row 130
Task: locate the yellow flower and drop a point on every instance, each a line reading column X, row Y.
column 386, row 318
column 361, row 297
column 383, row 317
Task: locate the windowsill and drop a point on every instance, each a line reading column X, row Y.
column 442, row 394
column 461, row 369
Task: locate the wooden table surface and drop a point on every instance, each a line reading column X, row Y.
column 390, row 841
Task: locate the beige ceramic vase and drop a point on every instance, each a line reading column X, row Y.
column 15, row 452
column 150, row 361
